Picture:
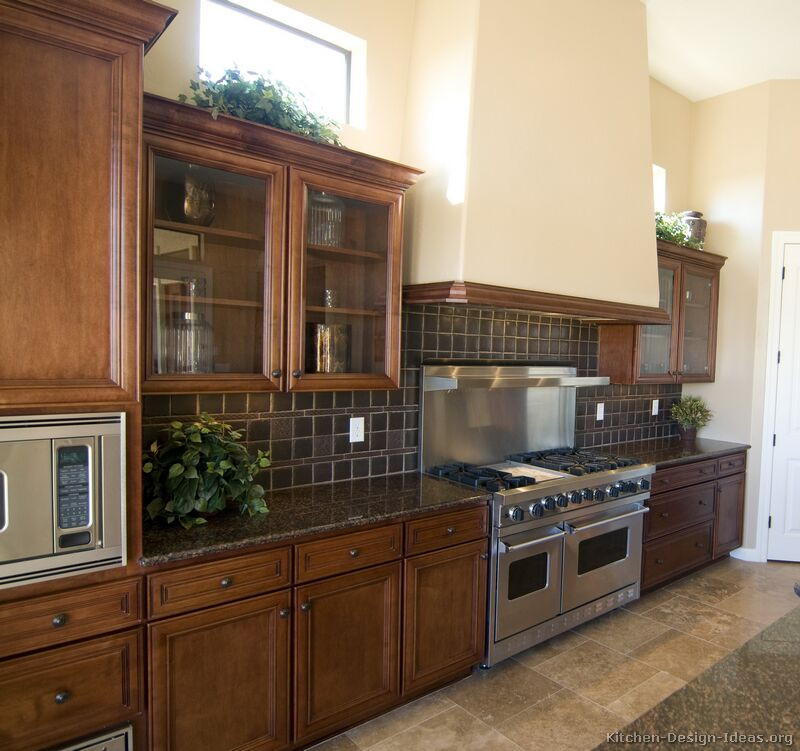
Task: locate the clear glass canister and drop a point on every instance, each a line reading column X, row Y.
column 325, row 219
column 188, row 345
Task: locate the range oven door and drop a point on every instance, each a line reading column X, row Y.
column 602, row 554
column 528, row 580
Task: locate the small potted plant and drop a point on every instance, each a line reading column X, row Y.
column 691, row 413
column 196, row 469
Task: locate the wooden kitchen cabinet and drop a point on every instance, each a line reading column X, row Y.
column 219, row 678
column 730, row 514
column 683, row 350
column 70, row 73
column 347, row 649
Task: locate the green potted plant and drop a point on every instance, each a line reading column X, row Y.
column 691, row 413
column 674, row 228
column 196, row 469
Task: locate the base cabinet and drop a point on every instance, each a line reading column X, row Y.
column 730, row 513
column 347, row 649
column 219, row 678
column 444, row 623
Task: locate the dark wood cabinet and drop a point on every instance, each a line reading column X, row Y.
column 444, row 614
column 219, row 678
column 730, row 514
column 70, row 73
column 683, row 350
column 347, row 649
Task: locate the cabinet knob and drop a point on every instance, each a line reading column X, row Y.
column 450, row 531
column 664, row 514
column 305, row 607
column 283, row 613
column 659, row 560
column 297, row 373
column 699, row 545
column 484, row 556
column 354, row 553
column 277, row 373
column 60, row 620
column 226, row 582
column 61, row 697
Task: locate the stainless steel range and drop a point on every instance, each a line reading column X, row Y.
column 566, row 523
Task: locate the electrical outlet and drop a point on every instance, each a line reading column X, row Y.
column 601, row 411
column 654, row 410
column 356, row 429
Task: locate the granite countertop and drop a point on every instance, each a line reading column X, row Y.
column 667, row 452
column 753, row 691
column 305, row 510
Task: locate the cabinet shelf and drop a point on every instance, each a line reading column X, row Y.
column 226, row 302
column 198, row 229
column 345, row 311
column 346, row 253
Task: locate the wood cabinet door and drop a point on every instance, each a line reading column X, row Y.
column 347, row 649
column 730, row 514
column 697, row 337
column 444, row 615
column 219, row 678
column 68, row 207
column 345, row 241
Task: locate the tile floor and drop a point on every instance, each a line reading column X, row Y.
column 569, row 692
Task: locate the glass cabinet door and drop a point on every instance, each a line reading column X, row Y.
column 698, row 316
column 657, row 342
column 211, row 289
column 344, row 284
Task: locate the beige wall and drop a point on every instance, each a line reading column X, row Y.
column 385, row 25
column 671, row 125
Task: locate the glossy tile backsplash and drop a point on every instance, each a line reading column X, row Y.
column 308, row 433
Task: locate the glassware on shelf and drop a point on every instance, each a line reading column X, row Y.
column 325, row 219
column 328, row 348
column 187, row 343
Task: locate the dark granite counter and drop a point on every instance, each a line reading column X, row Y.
column 668, row 452
column 754, row 691
column 310, row 509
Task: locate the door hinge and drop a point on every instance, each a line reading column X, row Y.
column 779, row 357
column 783, row 273
column 773, row 439
column 769, row 523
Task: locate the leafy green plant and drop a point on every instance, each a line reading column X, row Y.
column 691, row 412
column 673, row 229
column 198, row 468
column 252, row 97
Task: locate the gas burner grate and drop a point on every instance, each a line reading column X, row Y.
column 481, row 477
column 575, row 461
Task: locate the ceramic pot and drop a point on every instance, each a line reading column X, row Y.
column 696, row 224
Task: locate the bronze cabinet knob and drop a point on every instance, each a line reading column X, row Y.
column 451, row 531
column 283, row 613
column 297, row 373
column 61, row 697
column 305, row 607
column 354, row 553
column 277, row 373
column 60, row 620
column 226, row 582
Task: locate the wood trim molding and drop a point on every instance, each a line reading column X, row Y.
column 697, row 257
column 474, row 293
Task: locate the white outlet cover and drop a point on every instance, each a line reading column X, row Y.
column 601, row 410
column 356, row 429
column 654, row 410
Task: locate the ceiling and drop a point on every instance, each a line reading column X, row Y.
column 701, row 48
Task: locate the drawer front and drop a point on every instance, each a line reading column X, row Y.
column 730, row 465
column 443, row 530
column 67, row 616
column 70, row 691
column 679, row 509
column 676, row 553
column 687, row 474
column 205, row 584
column 338, row 555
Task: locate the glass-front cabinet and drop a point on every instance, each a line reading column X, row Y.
column 658, row 342
column 344, row 284
column 697, row 325
column 214, row 270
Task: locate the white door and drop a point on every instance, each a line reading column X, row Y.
column 784, row 532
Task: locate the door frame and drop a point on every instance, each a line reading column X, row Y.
column 779, row 240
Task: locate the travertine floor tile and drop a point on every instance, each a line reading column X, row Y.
column 646, row 695
column 338, row 743
column 621, row 630
column 391, row 723
column 451, row 730
column 649, row 601
column 706, row 589
column 596, row 672
column 563, row 722
column 760, row 606
column 679, row 654
column 496, row 694
column 532, row 657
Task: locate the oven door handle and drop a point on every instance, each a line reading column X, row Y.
column 574, row 530
column 521, row 546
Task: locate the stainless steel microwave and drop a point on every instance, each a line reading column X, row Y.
column 62, row 495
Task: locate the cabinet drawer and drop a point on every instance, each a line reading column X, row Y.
column 69, row 691
column 675, row 553
column 730, row 465
column 446, row 529
column 205, row 584
column 55, row 619
column 679, row 509
column 687, row 474
column 338, row 555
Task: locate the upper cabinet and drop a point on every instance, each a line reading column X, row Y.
column 70, row 73
column 249, row 228
column 682, row 350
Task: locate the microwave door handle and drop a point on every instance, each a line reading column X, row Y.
column 521, row 546
column 574, row 530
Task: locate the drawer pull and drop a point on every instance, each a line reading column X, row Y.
column 450, row 531
column 305, row 607
column 354, row 553
column 659, row 561
column 707, row 471
column 60, row 620
column 226, row 582
column 283, row 613
column 699, row 545
column 61, row 697
column 664, row 514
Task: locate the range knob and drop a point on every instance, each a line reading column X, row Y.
column 599, row 495
column 631, row 487
column 536, row 510
column 575, row 496
column 549, row 503
column 644, row 484
column 613, row 491
column 588, row 494
column 516, row 514
column 562, row 501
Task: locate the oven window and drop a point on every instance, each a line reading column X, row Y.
column 599, row 551
column 527, row 575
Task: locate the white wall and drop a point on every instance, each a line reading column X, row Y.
column 671, row 127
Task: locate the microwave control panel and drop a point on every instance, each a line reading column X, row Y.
column 73, row 486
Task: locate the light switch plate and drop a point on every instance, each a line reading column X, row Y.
column 601, row 410
column 654, row 410
column 356, row 429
